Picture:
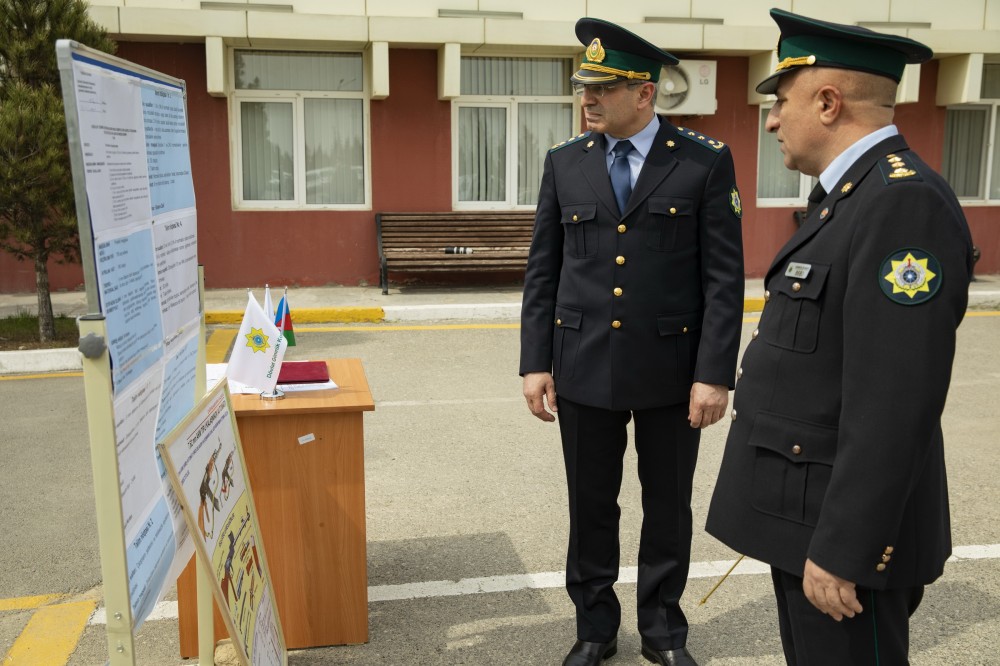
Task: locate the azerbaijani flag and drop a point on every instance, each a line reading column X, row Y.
column 283, row 320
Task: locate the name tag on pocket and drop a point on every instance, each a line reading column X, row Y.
column 797, row 270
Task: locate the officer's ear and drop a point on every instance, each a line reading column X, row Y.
column 829, row 103
column 646, row 92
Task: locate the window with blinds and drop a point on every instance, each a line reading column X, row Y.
column 511, row 111
column 302, row 131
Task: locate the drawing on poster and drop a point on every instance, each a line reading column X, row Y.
column 205, row 463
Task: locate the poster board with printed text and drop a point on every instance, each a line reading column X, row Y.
column 204, row 459
column 142, row 338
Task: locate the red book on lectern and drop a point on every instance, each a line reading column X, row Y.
column 303, row 372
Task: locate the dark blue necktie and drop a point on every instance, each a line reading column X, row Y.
column 621, row 179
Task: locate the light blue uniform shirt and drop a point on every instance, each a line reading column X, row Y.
column 642, row 142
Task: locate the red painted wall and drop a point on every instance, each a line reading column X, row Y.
column 765, row 230
column 411, row 171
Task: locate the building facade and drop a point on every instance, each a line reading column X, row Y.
column 308, row 117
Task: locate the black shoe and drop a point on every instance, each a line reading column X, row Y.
column 585, row 653
column 678, row 657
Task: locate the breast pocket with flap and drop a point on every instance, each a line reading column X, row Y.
column 580, row 229
column 670, row 224
column 792, row 315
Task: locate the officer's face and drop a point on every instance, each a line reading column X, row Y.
column 795, row 122
column 620, row 112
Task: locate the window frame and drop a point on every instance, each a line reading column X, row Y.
column 510, row 103
column 982, row 197
column 297, row 98
column 806, row 183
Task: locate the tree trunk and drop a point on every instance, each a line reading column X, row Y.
column 46, row 320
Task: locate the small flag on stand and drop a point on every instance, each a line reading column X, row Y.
column 258, row 351
column 268, row 305
column 283, row 320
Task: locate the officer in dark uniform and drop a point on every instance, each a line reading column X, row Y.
column 834, row 471
column 632, row 306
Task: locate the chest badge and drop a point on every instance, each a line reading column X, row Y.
column 797, row 270
column 910, row 276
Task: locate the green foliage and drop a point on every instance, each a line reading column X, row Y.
column 36, row 190
column 28, row 33
column 37, row 211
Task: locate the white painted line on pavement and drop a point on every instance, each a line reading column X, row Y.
column 167, row 610
column 433, row 403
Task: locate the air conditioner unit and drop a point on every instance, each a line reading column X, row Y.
column 687, row 89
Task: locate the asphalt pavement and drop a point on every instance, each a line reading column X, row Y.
column 339, row 304
column 465, row 501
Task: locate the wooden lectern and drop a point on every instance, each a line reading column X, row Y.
column 305, row 458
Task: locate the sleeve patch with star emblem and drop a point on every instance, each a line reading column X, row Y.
column 910, row 276
column 734, row 202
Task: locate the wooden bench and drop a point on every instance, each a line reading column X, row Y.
column 453, row 241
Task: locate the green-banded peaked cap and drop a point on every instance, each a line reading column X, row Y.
column 615, row 54
column 808, row 42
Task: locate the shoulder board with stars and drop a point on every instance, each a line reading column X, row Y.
column 697, row 137
column 895, row 169
column 571, row 140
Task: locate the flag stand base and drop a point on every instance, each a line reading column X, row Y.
column 276, row 394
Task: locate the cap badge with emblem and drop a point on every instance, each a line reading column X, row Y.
column 595, row 52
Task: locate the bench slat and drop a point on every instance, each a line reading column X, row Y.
column 415, row 242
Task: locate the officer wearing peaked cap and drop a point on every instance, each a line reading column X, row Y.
column 632, row 306
column 834, row 471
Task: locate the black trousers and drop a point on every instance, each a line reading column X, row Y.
column 878, row 636
column 594, row 442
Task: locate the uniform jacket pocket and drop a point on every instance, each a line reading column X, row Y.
column 793, row 461
column 671, row 221
column 565, row 340
column 679, row 331
column 792, row 315
column 580, row 228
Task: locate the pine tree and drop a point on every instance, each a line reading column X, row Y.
column 37, row 212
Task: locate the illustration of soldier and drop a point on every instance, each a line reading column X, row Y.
column 209, row 502
column 227, row 475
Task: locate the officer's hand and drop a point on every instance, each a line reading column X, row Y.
column 539, row 385
column 829, row 593
column 708, row 404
